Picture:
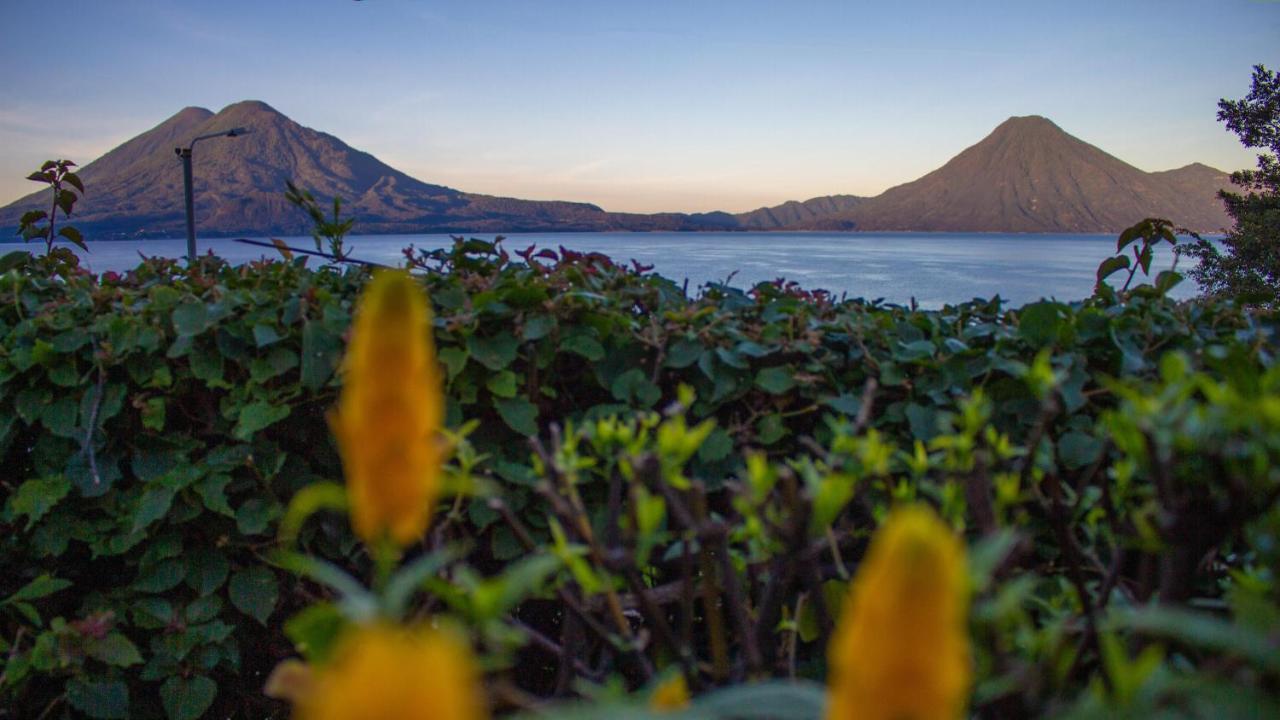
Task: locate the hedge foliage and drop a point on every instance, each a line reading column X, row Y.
column 702, row 478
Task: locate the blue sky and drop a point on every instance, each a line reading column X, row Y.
column 687, row 105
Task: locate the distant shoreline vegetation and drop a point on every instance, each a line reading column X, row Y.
column 933, row 268
column 512, row 234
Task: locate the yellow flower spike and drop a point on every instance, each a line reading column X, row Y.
column 901, row 650
column 381, row 672
column 670, row 695
column 390, row 412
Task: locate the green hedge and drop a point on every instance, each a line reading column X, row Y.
column 154, row 426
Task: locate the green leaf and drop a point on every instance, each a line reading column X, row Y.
column 306, row 502
column 1168, row 280
column 732, row 359
column 496, row 352
column 213, row 493
column 104, row 700
column 584, row 345
column 187, row 698
column 256, row 416
column 1203, row 631
column 152, row 506
column 162, row 576
column 32, row 216
column 454, row 360
column 73, row 179
column 1077, row 449
column 315, row 630
column 320, row 353
column 772, row 700
column 42, row 586
column 716, row 447
column 357, row 602
column 833, row 494
column 538, row 327
column 519, row 415
column 255, row 515
column 1041, row 323
column 923, row 421
column 153, row 414
column 61, row 416
column 276, row 363
column 502, row 384
column 986, row 555
column 847, row 404
column 190, row 318
column 1111, row 266
column 264, row 335
column 15, row 259
column 115, row 649
column 770, row 429
column 634, row 385
column 1144, row 258
column 72, row 235
column 683, row 353
column 400, row 587
column 1130, row 234
column 203, row 609
column 207, row 569
column 498, row 596
column 775, row 380
column 254, row 591
column 30, row 403
column 915, row 350
column 35, row 498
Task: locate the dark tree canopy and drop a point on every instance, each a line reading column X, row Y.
column 1247, row 264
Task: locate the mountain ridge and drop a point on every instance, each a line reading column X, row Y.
column 1027, row 175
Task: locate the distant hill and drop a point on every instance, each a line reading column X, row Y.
column 1028, row 175
column 136, row 189
column 809, row 214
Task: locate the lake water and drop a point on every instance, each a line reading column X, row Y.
column 933, row 268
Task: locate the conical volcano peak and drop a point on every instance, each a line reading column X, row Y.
column 248, row 112
column 248, row 107
column 192, row 112
column 1027, row 126
column 1029, row 175
column 1028, row 121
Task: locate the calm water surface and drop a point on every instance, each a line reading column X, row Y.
column 933, row 268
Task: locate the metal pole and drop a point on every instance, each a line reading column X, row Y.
column 185, row 153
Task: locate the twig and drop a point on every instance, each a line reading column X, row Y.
column 1059, row 520
column 86, row 447
column 526, row 540
column 738, row 609
column 867, row 401
column 552, row 647
column 711, row 598
column 317, row 253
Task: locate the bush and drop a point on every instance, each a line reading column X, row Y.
column 1110, row 461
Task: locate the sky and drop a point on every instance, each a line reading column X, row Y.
column 682, row 105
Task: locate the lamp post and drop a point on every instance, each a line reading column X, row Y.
column 185, row 154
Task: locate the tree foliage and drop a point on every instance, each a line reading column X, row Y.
column 1247, row 265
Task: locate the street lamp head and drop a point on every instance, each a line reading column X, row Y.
column 233, row 132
